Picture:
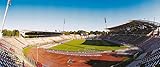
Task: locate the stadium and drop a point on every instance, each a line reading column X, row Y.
column 124, row 45
column 135, row 43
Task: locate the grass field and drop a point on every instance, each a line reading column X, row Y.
column 26, row 50
column 87, row 45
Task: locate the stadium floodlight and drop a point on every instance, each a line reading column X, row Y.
column 64, row 24
column 105, row 24
column 4, row 17
column 105, row 21
column 154, row 19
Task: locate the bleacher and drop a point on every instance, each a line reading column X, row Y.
column 149, row 59
column 151, row 44
column 129, row 39
column 151, row 54
column 135, row 33
column 15, row 45
column 7, row 58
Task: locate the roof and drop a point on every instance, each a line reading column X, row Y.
column 28, row 31
column 136, row 22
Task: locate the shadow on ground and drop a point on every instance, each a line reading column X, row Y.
column 100, row 63
column 100, row 43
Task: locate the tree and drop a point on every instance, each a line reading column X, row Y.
column 81, row 32
column 17, row 33
column 71, row 32
column 10, row 33
column 66, row 33
column 103, row 32
column 91, row 32
column 4, row 32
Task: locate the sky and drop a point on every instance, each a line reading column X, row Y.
column 49, row 15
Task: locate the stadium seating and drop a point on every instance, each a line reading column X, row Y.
column 150, row 59
column 128, row 39
column 135, row 33
column 7, row 59
column 151, row 44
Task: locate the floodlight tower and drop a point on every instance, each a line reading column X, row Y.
column 106, row 25
column 105, row 21
column 64, row 22
column 4, row 17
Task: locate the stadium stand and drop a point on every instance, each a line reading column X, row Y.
column 139, row 33
column 16, row 45
column 7, row 57
column 133, row 33
column 138, row 27
column 33, row 34
column 148, row 59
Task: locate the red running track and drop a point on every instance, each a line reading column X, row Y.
column 60, row 60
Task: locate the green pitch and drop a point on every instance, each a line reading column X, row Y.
column 26, row 50
column 88, row 45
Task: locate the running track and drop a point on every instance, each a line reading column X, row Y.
column 60, row 60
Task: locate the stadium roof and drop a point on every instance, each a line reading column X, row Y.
column 136, row 22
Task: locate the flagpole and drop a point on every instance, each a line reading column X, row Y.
column 5, row 14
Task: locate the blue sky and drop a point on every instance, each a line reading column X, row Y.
column 79, row 14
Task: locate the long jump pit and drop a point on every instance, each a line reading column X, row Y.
column 62, row 59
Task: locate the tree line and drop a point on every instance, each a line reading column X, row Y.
column 80, row 32
column 10, row 32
